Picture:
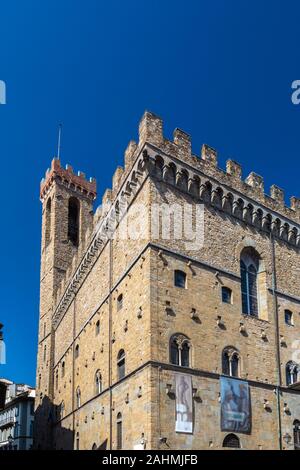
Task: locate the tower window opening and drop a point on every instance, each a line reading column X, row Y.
column 73, row 221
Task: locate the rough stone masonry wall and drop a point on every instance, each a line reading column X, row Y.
column 130, row 330
column 206, row 434
column 153, row 309
column 224, row 240
column 130, row 397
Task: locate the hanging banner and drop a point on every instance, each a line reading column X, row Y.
column 184, row 403
column 235, row 405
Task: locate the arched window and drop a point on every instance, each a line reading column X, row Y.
column 98, row 382
column 292, row 372
column 230, row 362
column 180, row 350
column 78, row 397
column 231, row 441
column 226, row 295
column 73, row 221
column 121, row 364
column 63, row 369
column 77, row 351
column 48, row 222
column 97, row 331
column 179, row 279
column 296, row 429
column 120, row 302
column 159, row 166
column 288, row 317
column 119, row 432
column 249, row 268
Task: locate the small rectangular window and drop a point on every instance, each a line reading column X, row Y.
column 120, row 302
column 180, row 279
column 226, row 295
column 288, row 317
column 119, row 435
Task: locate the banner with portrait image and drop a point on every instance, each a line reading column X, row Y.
column 184, row 403
column 235, row 405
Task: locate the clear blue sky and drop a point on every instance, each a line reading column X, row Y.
column 219, row 69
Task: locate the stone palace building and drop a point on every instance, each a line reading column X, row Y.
column 154, row 340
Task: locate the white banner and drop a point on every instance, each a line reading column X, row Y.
column 184, row 404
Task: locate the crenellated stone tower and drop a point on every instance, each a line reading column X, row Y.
column 67, row 215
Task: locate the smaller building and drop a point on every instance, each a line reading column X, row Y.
column 16, row 417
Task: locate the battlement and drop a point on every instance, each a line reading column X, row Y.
column 151, row 132
column 78, row 181
column 179, row 149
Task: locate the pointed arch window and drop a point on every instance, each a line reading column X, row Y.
column 180, row 350
column 249, row 264
column 98, row 382
column 121, row 364
column 73, row 221
column 159, row 166
column 231, row 362
column 292, row 373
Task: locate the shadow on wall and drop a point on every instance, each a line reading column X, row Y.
column 49, row 432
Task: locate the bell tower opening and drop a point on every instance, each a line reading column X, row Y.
column 73, row 220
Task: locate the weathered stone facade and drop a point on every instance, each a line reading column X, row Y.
column 101, row 294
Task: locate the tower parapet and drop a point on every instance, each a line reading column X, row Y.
column 67, row 176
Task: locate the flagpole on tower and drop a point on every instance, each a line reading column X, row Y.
column 59, row 140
